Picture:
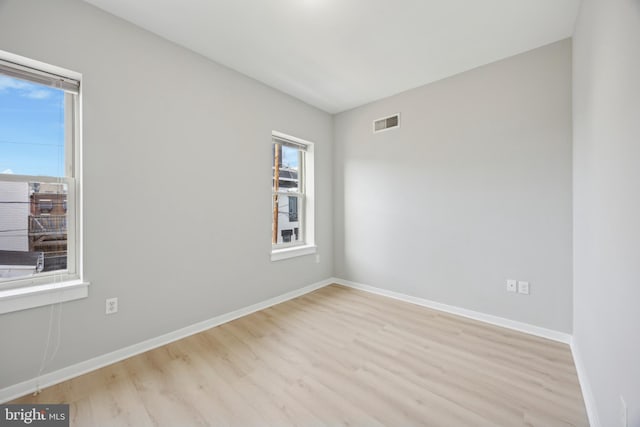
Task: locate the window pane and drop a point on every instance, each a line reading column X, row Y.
column 38, row 168
column 289, row 161
column 288, row 224
column 33, row 228
column 32, row 127
column 288, row 187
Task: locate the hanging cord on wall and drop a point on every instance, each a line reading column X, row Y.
column 55, row 312
column 46, row 358
column 55, row 317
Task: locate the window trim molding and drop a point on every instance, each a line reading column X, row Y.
column 39, row 66
column 31, row 292
column 292, row 252
column 25, row 297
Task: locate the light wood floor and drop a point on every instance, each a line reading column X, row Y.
column 336, row 356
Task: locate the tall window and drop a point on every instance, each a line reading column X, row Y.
column 38, row 175
column 292, row 191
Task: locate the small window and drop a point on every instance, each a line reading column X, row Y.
column 45, row 206
column 286, row 235
column 293, row 208
column 291, row 187
column 39, row 235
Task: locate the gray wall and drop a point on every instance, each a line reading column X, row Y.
column 473, row 189
column 606, row 119
column 177, row 172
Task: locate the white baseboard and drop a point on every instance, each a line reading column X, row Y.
column 52, row 378
column 476, row 315
column 585, row 386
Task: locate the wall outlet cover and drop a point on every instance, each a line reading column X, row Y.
column 511, row 286
column 111, row 305
column 523, row 287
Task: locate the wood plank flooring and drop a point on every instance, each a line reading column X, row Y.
column 336, row 356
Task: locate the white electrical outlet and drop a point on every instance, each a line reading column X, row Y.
column 623, row 412
column 317, row 258
column 523, row 287
column 511, row 286
column 112, row 305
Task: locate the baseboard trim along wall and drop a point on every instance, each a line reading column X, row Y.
column 585, row 386
column 17, row 390
column 476, row 315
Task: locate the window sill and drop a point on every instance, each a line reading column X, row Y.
column 295, row 251
column 36, row 296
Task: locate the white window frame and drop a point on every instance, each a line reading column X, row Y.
column 54, row 287
column 306, row 203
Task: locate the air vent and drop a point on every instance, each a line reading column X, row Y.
column 386, row 123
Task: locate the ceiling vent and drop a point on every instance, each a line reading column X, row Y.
column 386, row 123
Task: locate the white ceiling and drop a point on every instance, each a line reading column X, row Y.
column 339, row 54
